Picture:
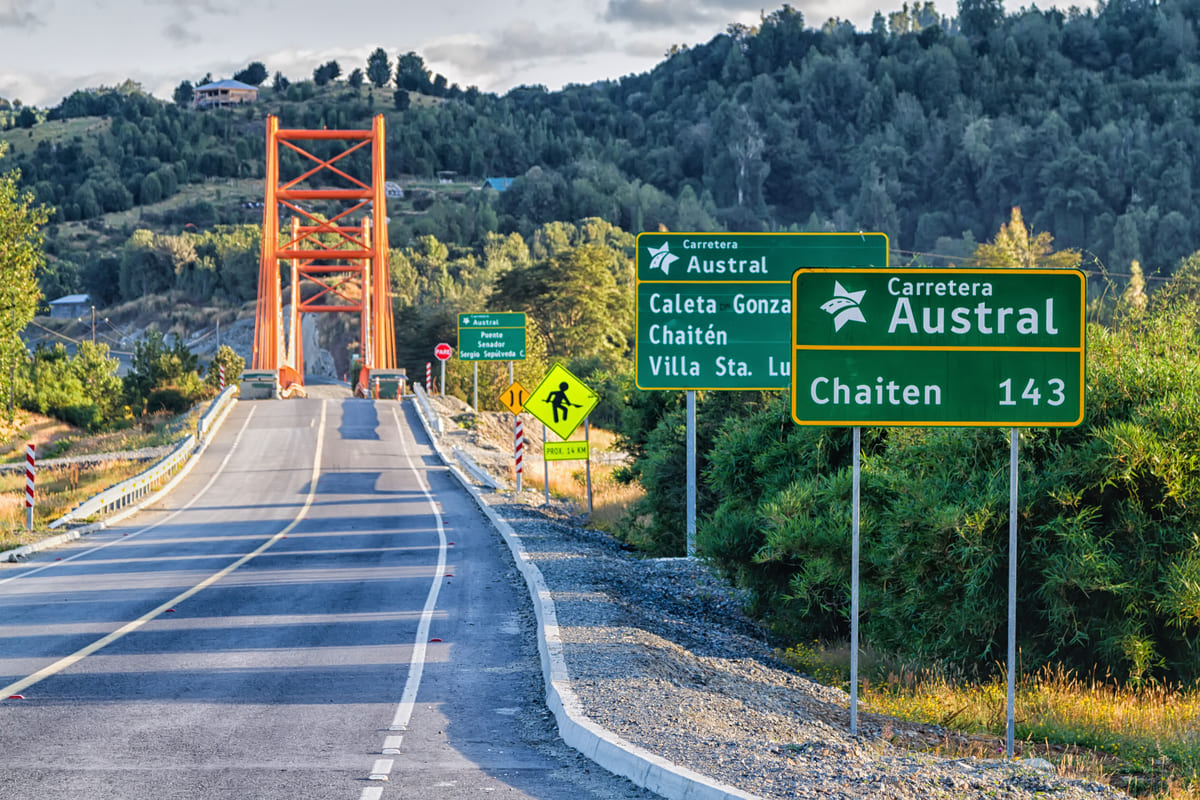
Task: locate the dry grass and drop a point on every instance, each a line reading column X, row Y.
column 61, row 488
column 568, row 481
column 1145, row 740
column 58, row 491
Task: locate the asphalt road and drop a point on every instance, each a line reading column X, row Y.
column 317, row 611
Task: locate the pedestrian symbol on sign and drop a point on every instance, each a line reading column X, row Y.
column 558, row 401
column 561, row 409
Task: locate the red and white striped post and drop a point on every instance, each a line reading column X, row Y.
column 221, row 377
column 30, row 472
column 428, row 377
column 519, row 450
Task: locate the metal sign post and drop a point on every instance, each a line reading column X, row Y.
column 854, row 552
column 1011, row 714
column 587, row 437
column 691, row 473
column 545, row 466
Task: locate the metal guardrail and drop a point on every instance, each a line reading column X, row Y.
column 134, row 489
column 422, row 398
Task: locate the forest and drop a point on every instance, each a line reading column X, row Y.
column 927, row 128
column 1029, row 138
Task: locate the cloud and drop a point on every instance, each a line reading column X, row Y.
column 179, row 33
column 185, row 27
column 497, row 62
column 18, row 14
column 677, row 14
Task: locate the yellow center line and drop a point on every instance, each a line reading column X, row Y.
column 129, row 627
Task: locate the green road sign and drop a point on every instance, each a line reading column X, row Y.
column 714, row 309
column 491, row 337
column 561, row 401
column 1002, row 348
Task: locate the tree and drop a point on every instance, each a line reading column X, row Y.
column 155, row 366
column 356, row 78
column 184, row 93
column 254, row 74
column 233, row 363
column 411, row 73
column 977, row 18
column 280, row 83
column 1016, row 248
column 329, row 71
column 402, row 100
column 379, row 68
column 574, row 299
column 21, row 258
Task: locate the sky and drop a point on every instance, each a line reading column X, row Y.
column 50, row 48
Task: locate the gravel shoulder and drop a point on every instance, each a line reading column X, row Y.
column 659, row 653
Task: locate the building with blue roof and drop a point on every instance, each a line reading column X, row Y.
column 224, row 94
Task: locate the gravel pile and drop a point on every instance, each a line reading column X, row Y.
column 659, row 653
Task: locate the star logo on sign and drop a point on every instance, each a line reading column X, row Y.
column 844, row 306
column 662, row 258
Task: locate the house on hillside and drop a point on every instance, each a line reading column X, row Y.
column 70, row 306
column 499, row 184
column 224, row 94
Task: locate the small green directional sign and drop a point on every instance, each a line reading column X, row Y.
column 491, row 337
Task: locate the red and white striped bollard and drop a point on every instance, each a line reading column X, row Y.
column 30, row 473
column 428, row 377
column 519, row 450
column 221, row 377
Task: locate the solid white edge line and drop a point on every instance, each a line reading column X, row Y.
column 615, row 754
column 130, row 627
column 168, row 518
column 416, row 668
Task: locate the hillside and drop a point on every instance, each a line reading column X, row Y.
column 927, row 128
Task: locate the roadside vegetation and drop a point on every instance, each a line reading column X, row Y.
column 948, row 128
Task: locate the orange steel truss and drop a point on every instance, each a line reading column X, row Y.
column 339, row 257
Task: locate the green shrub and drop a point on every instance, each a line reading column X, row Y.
column 1109, row 515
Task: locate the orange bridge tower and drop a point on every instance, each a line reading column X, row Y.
column 335, row 247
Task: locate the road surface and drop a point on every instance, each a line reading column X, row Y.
column 316, row 611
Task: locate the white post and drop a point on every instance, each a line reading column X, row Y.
column 587, row 437
column 854, row 585
column 691, row 473
column 1011, row 715
column 545, row 465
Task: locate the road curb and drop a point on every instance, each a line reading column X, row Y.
column 602, row 746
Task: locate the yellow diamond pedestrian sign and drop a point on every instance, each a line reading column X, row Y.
column 561, row 401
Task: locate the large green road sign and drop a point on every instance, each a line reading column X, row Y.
column 491, row 337
column 714, row 309
column 958, row 347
